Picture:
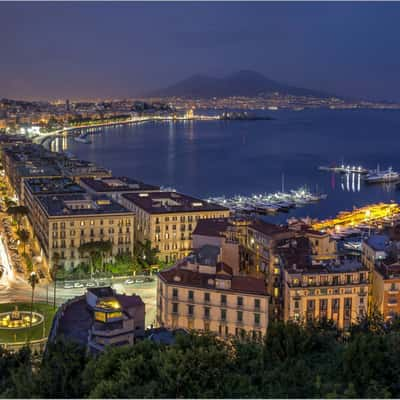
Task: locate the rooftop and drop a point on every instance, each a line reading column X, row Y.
column 378, row 242
column 117, row 184
column 170, row 202
column 211, row 227
column 79, row 204
column 179, row 276
column 389, row 271
column 42, row 186
column 328, row 268
column 269, row 229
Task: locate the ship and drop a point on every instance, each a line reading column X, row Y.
column 382, row 176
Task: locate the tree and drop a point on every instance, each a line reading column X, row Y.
column 145, row 254
column 33, row 281
column 93, row 250
column 17, row 212
column 23, row 235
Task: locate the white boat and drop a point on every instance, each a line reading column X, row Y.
column 382, row 176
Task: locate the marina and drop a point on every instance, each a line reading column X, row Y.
column 269, row 203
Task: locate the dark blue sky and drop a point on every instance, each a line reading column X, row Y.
column 62, row 50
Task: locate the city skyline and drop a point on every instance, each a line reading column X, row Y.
column 101, row 50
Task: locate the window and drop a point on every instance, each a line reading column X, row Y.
column 257, row 319
column 206, row 326
column 207, row 297
column 240, row 301
column 239, row 316
column 257, row 304
column 207, row 312
column 190, row 310
column 175, row 308
column 348, row 279
column 223, row 314
column 223, row 299
column 296, row 304
column 175, row 293
column 190, row 295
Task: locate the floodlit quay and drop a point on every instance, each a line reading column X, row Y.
column 372, row 215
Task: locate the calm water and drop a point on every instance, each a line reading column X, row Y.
column 245, row 157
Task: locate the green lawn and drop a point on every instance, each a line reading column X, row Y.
column 23, row 334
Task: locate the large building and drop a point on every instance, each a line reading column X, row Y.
column 386, row 289
column 168, row 219
column 334, row 291
column 200, row 292
column 25, row 161
column 100, row 319
column 63, row 222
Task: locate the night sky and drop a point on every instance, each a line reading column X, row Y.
column 88, row 50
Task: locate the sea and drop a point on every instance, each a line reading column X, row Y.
column 215, row 158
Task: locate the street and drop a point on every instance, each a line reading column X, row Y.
column 16, row 289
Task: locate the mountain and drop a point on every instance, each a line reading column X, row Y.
column 243, row 83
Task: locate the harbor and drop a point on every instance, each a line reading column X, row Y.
column 269, row 204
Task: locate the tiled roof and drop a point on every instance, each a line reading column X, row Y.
column 184, row 277
column 211, row 227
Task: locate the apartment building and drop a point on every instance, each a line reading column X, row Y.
column 386, row 289
column 63, row 222
column 168, row 219
column 337, row 292
column 200, row 292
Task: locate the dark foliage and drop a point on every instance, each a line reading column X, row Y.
column 311, row 361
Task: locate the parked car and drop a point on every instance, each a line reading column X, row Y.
column 68, row 286
column 78, row 285
column 90, row 284
column 129, row 281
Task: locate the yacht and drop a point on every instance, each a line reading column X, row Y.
column 382, row 176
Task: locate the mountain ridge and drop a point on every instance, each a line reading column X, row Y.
column 244, row 83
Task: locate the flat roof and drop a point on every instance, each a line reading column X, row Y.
column 79, row 204
column 57, row 185
column 117, row 184
column 170, row 202
column 378, row 242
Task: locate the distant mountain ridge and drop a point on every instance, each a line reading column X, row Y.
column 243, row 83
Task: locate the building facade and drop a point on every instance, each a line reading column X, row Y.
column 196, row 295
column 337, row 292
column 168, row 219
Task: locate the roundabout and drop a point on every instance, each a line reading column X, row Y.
column 15, row 322
column 20, row 319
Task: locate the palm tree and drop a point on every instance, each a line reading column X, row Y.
column 23, row 235
column 33, row 281
column 54, row 270
column 17, row 212
column 93, row 250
